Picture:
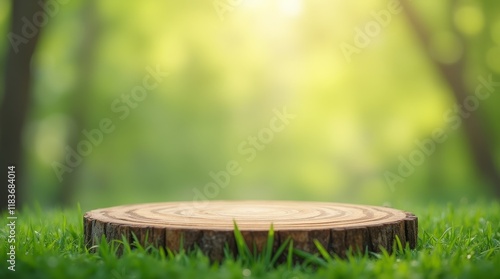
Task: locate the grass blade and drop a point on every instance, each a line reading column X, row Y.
column 323, row 251
column 309, row 257
column 243, row 250
column 280, row 251
column 269, row 246
column 289, row 258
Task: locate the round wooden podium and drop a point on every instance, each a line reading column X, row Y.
column 210, row 226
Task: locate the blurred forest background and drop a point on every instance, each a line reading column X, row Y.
column 230, row 63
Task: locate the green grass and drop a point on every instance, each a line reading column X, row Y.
column 455, row 241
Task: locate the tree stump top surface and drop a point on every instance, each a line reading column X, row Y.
column 210, row 226
column 248, row 215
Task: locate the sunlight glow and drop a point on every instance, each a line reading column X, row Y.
column 286, row 8
column 290, row 7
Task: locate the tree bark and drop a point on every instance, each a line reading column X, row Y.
column 15, row 105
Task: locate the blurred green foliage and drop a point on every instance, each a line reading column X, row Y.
column 353, row 119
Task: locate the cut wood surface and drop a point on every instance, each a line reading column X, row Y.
column 209, row 226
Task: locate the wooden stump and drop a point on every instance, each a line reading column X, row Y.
column 338, row 227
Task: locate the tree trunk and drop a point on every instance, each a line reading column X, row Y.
column 453, row 75
column 17, row 95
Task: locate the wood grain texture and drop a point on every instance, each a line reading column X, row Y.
column 338, row 227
